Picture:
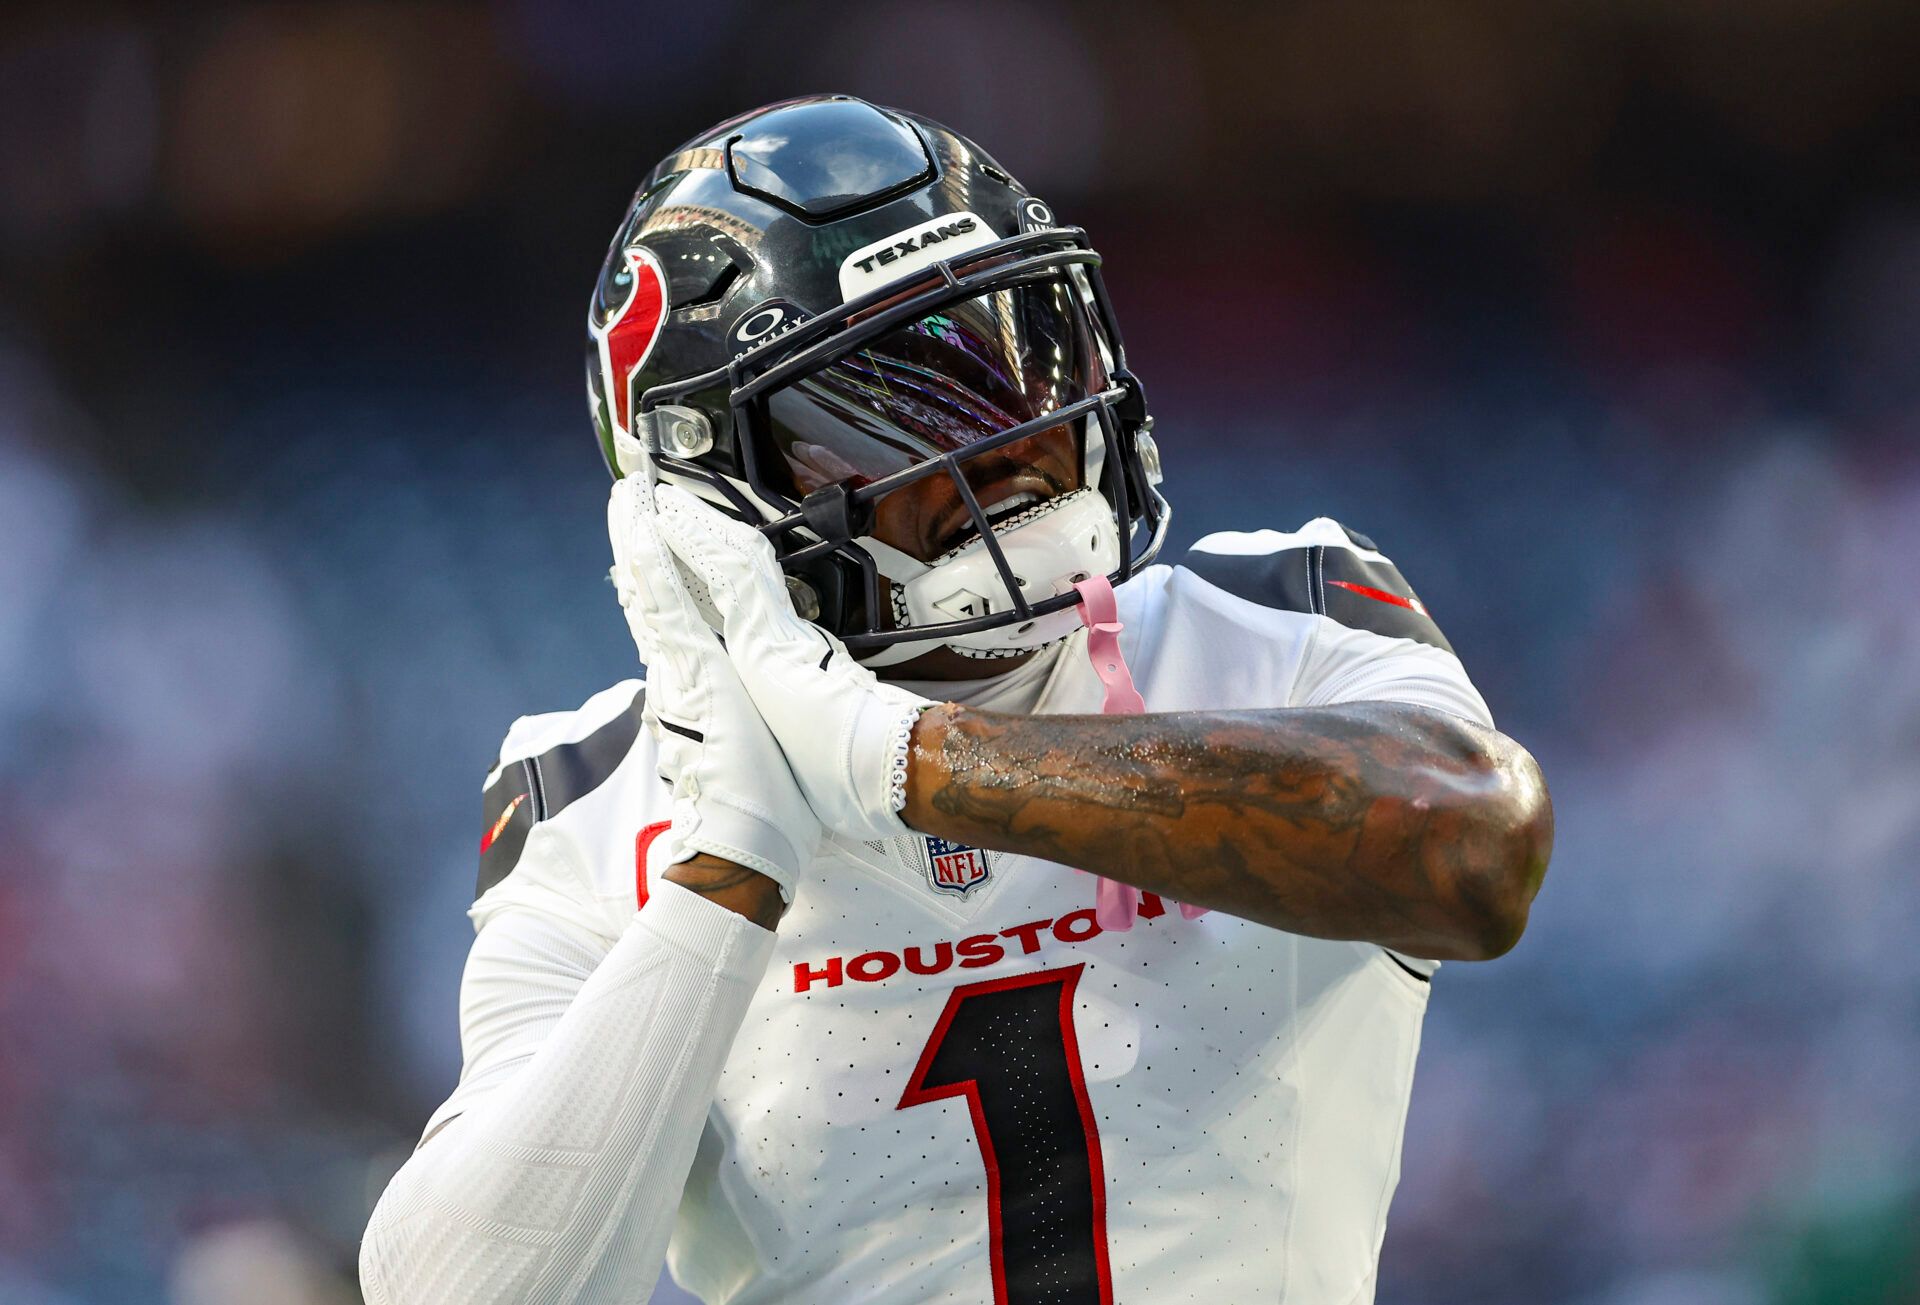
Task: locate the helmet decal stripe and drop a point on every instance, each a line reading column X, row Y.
column 634, row 330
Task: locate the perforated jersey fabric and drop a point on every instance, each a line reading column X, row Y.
column 951, row 1085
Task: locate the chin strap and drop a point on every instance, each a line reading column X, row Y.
column 1115, row 905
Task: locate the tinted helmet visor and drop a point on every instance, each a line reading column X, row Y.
column 936, row 385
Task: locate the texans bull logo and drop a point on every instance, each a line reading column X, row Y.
column 633, row 329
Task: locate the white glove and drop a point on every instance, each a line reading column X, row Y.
column 844, row 733
column 733, row 794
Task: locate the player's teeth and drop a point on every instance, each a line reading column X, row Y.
column 1017, row 501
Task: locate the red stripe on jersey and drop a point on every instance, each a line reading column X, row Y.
column 1381, row 595
column 1096, row 1167
column 641, row 842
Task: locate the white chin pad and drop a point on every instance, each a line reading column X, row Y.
column 1048, row 548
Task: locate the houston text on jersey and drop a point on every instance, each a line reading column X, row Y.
column 971, row 953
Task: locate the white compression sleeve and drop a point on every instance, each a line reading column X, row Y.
column 562, row 1180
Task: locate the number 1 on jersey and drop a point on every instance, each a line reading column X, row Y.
column 1008, row 1047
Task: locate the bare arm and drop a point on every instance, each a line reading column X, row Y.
column 743, row 891
column 1378, row 821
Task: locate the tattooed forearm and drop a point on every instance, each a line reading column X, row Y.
column 1377, row 821
column 733, row 886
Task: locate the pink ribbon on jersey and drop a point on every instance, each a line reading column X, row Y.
column 1115, row 905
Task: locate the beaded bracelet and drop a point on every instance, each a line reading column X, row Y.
column 902, row 745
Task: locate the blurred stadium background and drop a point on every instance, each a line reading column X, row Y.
column 1602, row 317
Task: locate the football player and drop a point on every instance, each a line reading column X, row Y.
column 969, row 906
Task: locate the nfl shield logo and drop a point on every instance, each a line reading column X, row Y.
column 954, row 867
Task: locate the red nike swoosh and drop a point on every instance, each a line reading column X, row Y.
column 500, row 824
column 1381, row 595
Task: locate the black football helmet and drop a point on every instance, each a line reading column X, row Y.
column 824, row 302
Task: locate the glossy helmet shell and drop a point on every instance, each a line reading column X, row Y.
column 725, row 282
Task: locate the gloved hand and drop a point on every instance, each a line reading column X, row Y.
column 733, row 793
column 843, row 731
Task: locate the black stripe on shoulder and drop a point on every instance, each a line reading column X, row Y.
column 533, row 789
column 507, row 815
column 569, row 771
column 1327, row 581
column 1281, row 579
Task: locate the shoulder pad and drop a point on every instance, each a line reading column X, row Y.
column 548, row 762
column 1322, row 568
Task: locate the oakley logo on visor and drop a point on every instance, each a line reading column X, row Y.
column 906, row 252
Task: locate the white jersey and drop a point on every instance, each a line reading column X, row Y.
column 952, row 1085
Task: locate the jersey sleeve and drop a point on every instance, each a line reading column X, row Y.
column 556, row 1170
column 525, row 968
column 1368, row 637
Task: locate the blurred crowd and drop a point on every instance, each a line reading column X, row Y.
column 1602, row 319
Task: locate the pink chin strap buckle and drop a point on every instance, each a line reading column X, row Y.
column 1115, row 905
